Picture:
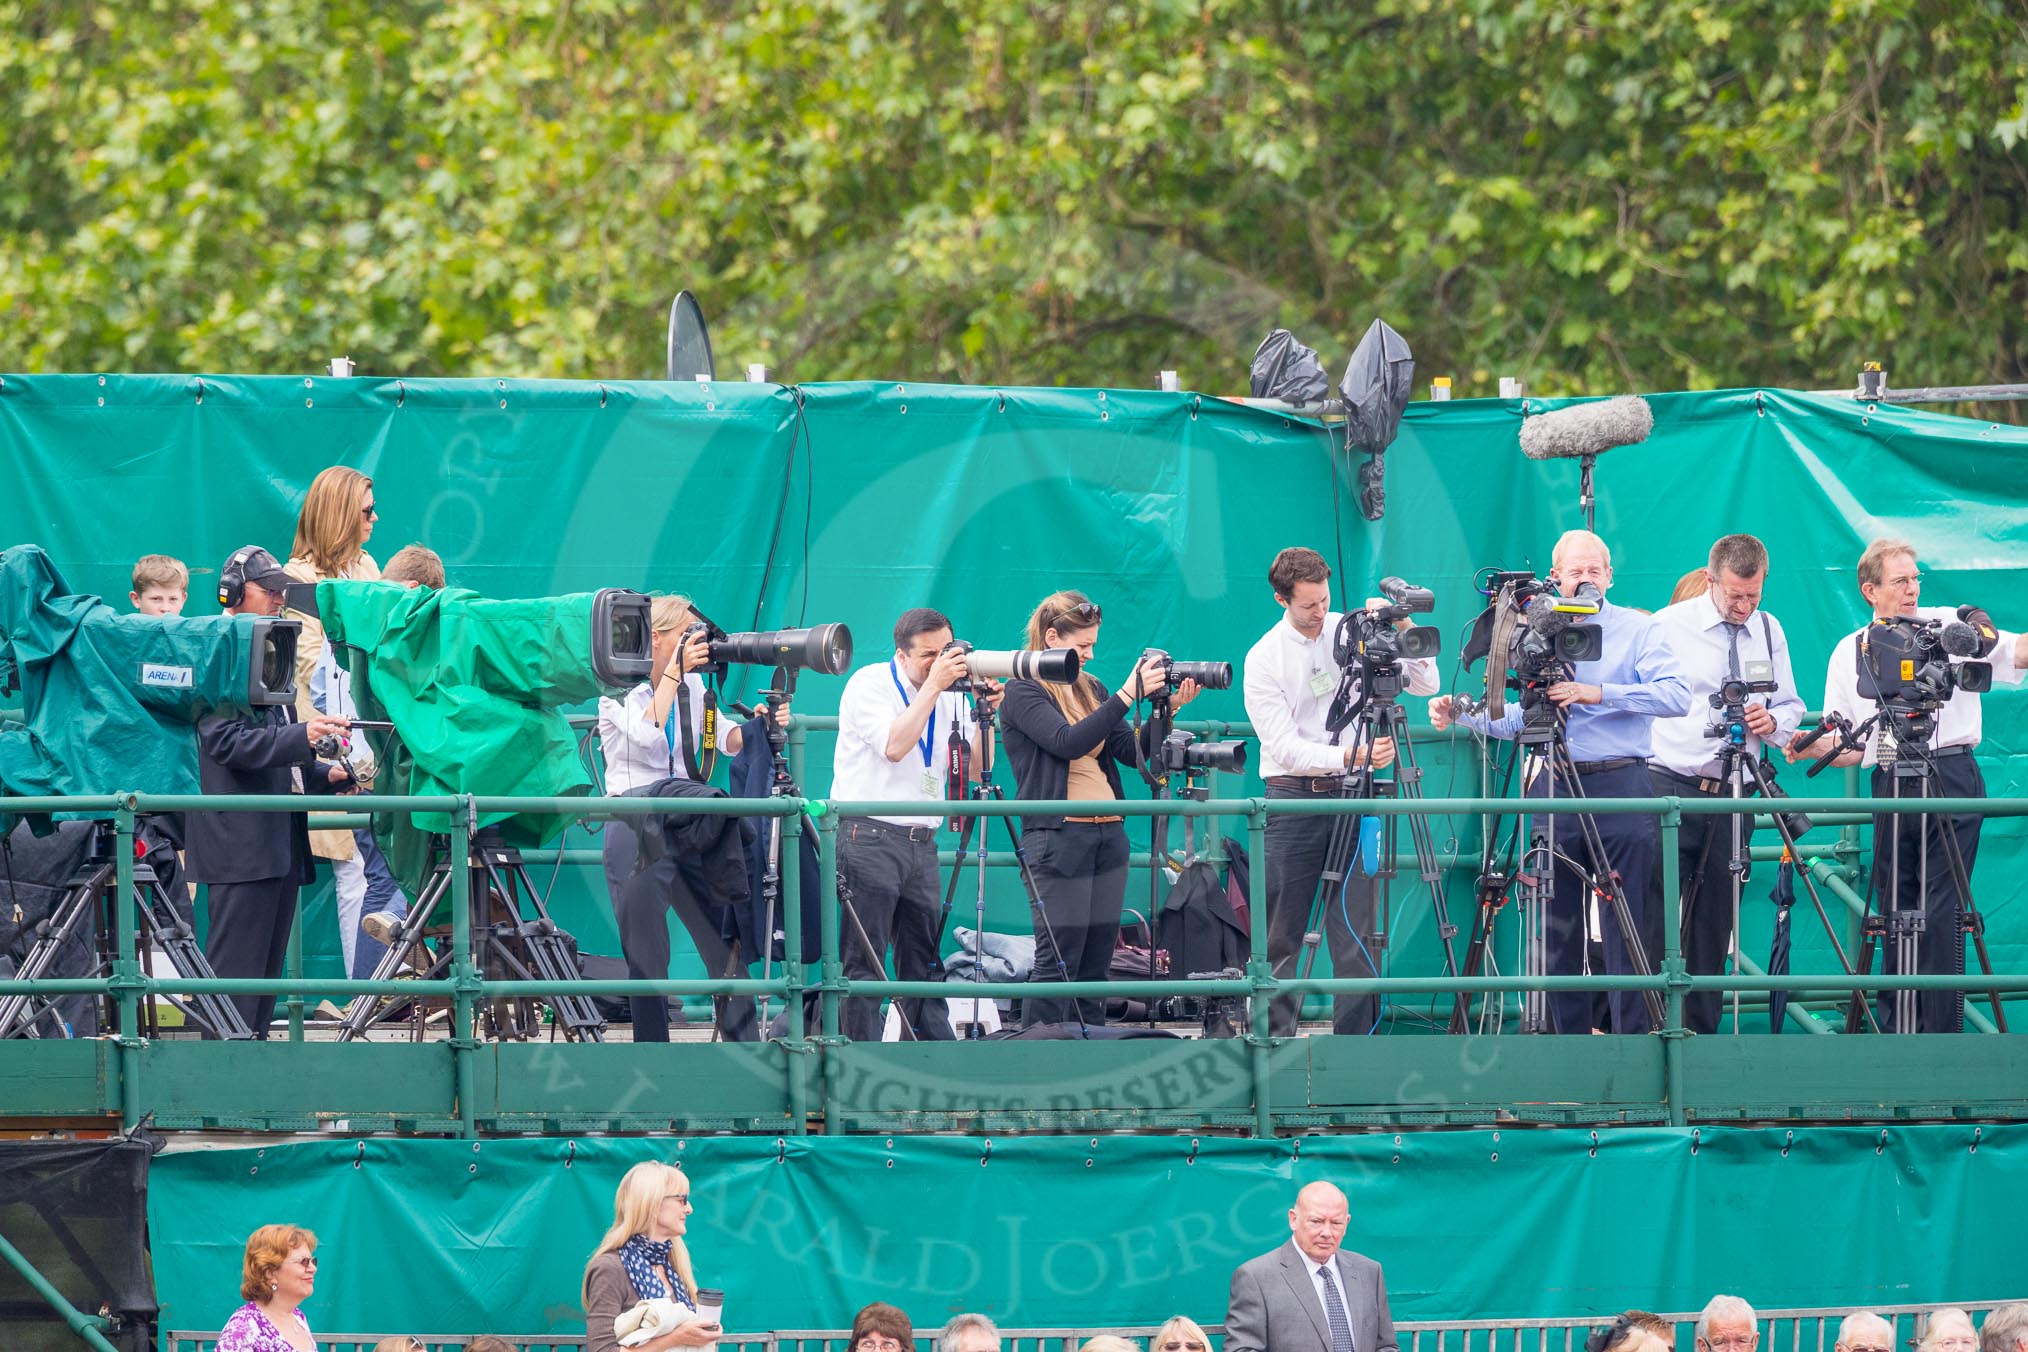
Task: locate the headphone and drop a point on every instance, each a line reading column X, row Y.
column 232, row 577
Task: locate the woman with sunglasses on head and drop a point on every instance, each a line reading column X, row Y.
column 1179, row 1334
column 277, row 1275
column 1067, row 741
column 643, row 1257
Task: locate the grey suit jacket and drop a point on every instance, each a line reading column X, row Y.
column 1273, row 1306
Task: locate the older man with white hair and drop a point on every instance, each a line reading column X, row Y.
column 1727, row 1324
column 1864, row 1331
column 2006, row 1329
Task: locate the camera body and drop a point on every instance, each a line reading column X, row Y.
column 1058, row 666
column 1550, row 633
column 1367, row 638
column 1181, row 753
column 1755, row 678
column 1208, row 675
column 1908, row 664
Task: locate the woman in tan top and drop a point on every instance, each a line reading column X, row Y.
column 643, row 1257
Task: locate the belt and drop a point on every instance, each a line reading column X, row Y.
column 1943, row 751
column 1709, row 788
column 1616, row 763
column 1307, row 783
column 1093, row 821
column 919, row 835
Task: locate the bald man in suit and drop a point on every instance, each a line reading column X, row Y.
column 1310, row 1295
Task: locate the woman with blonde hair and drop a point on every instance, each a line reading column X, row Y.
column 655, row 734
column 1067, row 741
column 643, row 1257
column 277, row 1275
column 1179, row 1334
column 332, row 529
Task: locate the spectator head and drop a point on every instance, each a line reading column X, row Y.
column 1318, row 1221
column 251, row 582
column 270, row 1249
column 969, row 1333
column 1109, row 1342
column 1864, row 1331
column 1179, row 1335
column 415, row 565
column 1696, row 582
column 653, row 1199
column 403, row 1342
column 1727, row 1324
column 336, row 520
column 881, row 1327
column 486, row 1342
column 1949, row 1330
column 161, row 585
column 2006, row 1329
column 1633, row 1331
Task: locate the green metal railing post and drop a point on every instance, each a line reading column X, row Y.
column 88, row 1327
column 464, row 973
column 1260, row 975
column 1673, row 968
column 828, row 969
column 128, row 978
column 293, row 965
column 798, row 1050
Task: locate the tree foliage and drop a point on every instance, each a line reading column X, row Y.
column 1592, row 196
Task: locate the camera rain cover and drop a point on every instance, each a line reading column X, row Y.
column 1376, row 387
column 1284, row 369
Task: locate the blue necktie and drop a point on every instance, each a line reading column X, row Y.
column 1334, row 1311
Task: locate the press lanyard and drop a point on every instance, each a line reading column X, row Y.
column 929, row 736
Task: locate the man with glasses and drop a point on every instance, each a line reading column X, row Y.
column 1727, row 1324
column 1864, row 1331
column 1311, row 1295
column 1892, row 586
column 1291, row 678
column 969, row 1333
column 1716, row 637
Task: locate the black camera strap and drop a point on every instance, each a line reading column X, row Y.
column 700, row 755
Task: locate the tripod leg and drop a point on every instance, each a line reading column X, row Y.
column 1970, row 922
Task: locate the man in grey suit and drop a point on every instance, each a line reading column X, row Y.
column 1310, row 1295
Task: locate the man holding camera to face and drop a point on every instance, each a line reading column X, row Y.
column 1719, row 638
column 1291, row 678
column 1608, row 708
column 1892, row 586
column 893, row 720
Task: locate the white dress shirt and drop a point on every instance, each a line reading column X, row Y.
column 1316, row 1270
column 1288, row 686
column 1957, row 724
column 861, row 772
column 1696, row 634
column 639, row 752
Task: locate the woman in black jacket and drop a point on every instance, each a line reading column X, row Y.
column 1066, row 741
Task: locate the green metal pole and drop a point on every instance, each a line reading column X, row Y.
column 294, row 966
column 1673, row 969
column 464, row 975
column 828, row 969
column 127, row 975
column 1257, row 968
column 792, row 969
column 86, row 1326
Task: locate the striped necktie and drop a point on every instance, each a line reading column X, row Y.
column 1334, row 1311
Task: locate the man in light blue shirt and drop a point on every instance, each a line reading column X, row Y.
column 1609, row 707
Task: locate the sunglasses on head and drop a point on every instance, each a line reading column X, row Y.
column 1082, row 614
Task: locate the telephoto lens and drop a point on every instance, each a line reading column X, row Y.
column 1208, row 675
column 825, row 649
column 1058, row 666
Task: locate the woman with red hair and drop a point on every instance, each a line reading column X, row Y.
column 277, row 1276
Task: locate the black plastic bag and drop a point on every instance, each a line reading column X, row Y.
column 1286, row 370
column 1376, row 388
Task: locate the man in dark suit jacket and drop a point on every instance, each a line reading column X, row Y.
column 1310, row 1295
column 252, row 863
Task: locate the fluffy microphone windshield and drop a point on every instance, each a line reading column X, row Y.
column 1587, row 429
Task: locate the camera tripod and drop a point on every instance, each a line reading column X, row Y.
column 1377, row 715
column 963, row 784
column 89, row 903
column 513, row 938
column 1897, row 918
column 1543, row 734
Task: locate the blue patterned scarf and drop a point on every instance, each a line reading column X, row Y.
column 644, row 1260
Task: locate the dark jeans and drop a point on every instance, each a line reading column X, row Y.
column 1296, row 847
column 1633, row 848
column 1080, row 871
column 889, row 899
column 1940, row 948
column 641, row 904
column 249, row 937
column 1704, row 856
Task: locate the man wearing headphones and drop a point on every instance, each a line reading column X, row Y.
column 253, row 862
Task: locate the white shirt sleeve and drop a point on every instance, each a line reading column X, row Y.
column 1422, row 675
column 1787, row 703
column 2005, row 672
column 1275, row 727
column 865, row 713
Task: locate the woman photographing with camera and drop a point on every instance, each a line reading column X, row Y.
column 1067, row 741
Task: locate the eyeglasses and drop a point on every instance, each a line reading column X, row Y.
column 1869, row 1347
column 1189, row 1345
column 1911, row 583
column 1731, row 1342
column 1956, row 1340
column 370, row 512
column 307, row 1263
column 1084, row 613
column 873, row 1342
column 682, row 1197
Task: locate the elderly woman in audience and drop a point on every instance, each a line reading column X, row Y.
column 1949, row 1330
column 881, row 1327
column 276, row 1277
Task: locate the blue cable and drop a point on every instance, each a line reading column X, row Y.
column 1345, row 913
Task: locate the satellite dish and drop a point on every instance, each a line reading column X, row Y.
column 689, row 340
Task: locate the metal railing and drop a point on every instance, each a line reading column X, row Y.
column 1794, row 1330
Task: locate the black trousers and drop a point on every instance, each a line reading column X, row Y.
column 1080, row 871
column 1296, row 849
column 249, row 937
column 1632, row 844
column 1940, row 948
column 641, row 905
column 888, row 884
column 1703, row 857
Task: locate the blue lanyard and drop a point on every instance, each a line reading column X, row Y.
column 929, row 735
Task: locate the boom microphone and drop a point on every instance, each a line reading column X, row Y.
column 1587, row 429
